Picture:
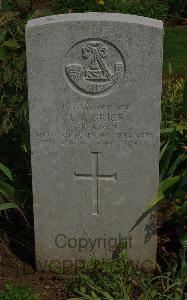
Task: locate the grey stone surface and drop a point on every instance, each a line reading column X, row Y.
column 94, row 96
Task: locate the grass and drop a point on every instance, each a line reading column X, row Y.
column 119, row 279
column 175, row 50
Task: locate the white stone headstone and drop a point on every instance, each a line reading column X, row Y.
column 94, row 94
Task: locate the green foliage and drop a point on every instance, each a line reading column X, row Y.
column 118, row 279
column 173, row 154
column 149, row 8
column 175, row 51
column 12, row 74
column 184, row 103
column 173, row 160
column 10, row 5
column 6, row 189
column 14, row 126
column 173, row 157
column 18, row 293
column 6, row 171
column 177, row 8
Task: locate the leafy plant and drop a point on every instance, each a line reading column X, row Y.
column 6, row 189
column 18, row 293
column 173, row 155
column 173, row 171
column 14, row 126
column 177, row 8
column 149, row 8
column 118, row 279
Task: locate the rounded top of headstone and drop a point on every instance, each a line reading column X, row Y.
column 93, row 16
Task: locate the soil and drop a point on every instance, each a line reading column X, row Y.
column 16, row 272
column 17, row 261
column 49, row 285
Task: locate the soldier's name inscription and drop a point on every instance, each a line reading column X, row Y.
column 96, row 124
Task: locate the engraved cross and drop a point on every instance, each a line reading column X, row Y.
column 95, row 177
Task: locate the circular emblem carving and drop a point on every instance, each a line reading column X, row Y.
column 94, row 66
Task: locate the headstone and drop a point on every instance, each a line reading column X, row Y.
column 94, row 94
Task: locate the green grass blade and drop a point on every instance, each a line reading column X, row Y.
column 6, row 171
column 176, row 163
column 166, row 160
column 5, row 206
column 163, row 150
column 155, row 200
column 168, row 183
column 6, row 189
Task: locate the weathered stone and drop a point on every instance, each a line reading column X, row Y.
column 94, row 96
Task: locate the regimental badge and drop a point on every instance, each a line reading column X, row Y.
column 98, row 71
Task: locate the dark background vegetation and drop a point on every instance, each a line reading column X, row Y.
column 16, row 224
